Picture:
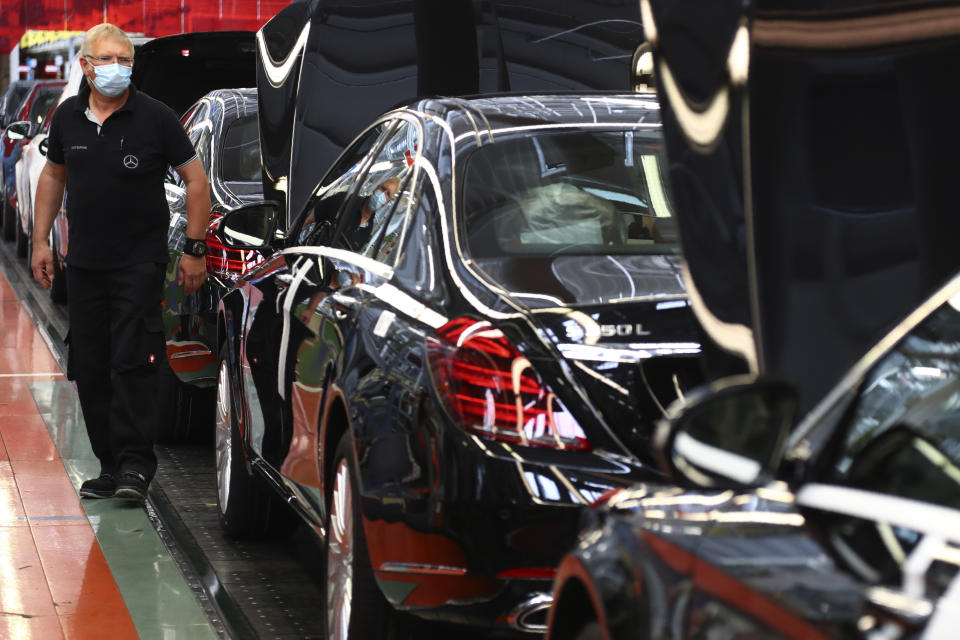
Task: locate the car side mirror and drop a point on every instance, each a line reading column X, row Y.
column 251, row 226
column 729, row 434
column 44, row 146
column 18, row 130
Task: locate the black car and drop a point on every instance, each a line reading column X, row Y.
column 465, row 336
column 843, row 527
column 223, row 128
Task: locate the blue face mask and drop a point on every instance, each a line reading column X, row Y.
column 112, row 79
column 377, row 199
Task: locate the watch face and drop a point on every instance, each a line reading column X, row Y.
column 196, row 248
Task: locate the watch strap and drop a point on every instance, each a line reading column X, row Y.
column 195, row 247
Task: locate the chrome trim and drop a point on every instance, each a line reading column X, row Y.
column 417, row 567
column 632, row 354
column 519, row 616
column 189, row 354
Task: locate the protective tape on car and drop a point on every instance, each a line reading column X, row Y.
column 288, row 299
column 367, row 264
column 894, row 510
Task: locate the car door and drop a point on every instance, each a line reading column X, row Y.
column 334, row 306
column 276, row 294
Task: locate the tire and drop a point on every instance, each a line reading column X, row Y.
column 590, row 631
column 22, row 239
column 174, row 426
column 58, row 290
column 245, row 506
column 9, row 217
column 354, row 608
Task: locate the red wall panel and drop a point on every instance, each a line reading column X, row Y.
column 150, row 17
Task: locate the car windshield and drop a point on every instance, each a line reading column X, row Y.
column 240, row 154
column 45, row 100
column 903, row 435
column 899, row 435
column 14, row 99
column 587, row 210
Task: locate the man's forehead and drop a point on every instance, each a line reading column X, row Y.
column 110, row 45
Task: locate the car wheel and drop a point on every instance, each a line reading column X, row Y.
column 58, row 290
column 246, row 507
column 355, row 609
column 590, row 631
column 174, row 426
column 9, row 217
column 21, row 237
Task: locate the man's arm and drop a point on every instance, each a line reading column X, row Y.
column 53, row 179
column 193, row 271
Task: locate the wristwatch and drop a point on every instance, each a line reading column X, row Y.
column 196, row 248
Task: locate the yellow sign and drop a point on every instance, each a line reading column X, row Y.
column 36, row 38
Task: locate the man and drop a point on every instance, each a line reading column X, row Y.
column 112, row 145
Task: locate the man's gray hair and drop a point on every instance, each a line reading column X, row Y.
column 101, row 31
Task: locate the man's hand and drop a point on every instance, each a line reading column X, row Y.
column 42, row 264
column 191, row 273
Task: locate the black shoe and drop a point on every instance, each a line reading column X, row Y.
column 131, row 486
column 102, row 487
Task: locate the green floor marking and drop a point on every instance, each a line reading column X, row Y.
column 159, row 600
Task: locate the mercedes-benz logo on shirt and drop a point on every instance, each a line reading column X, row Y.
column 131, row 162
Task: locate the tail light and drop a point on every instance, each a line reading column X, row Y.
column 494, row 391
column 224, row 261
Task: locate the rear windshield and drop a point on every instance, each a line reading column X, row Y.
column 572, row 216
column 240, row 155
column 568, row 193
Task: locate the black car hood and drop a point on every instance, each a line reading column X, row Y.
column 754, row 555
column 178, row 70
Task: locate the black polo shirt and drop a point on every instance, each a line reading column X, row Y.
column 116, row 205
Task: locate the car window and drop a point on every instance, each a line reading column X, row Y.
column 901, row 437
column 12, row 101
column 570, row 192
column 319, row 219
column 570, row 216
column 45, row 100
column 374, row 214
column 240, row 151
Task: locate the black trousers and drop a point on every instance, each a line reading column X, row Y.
column 116, row 346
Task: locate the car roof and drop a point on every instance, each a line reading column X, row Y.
column 232, row 103
column 493, row 113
